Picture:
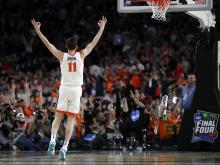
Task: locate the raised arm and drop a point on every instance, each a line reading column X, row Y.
column 57, row 53
column 94, row 42
column 27, row 95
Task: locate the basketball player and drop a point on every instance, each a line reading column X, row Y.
column 70, row 91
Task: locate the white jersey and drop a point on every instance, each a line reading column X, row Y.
column 72, row 69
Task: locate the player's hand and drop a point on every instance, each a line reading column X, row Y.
column 36, row 25
column 102, row 22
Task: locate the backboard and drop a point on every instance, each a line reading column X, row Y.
column 140, row 6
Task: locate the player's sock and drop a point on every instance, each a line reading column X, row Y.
column 53, row 139
column 65, row 145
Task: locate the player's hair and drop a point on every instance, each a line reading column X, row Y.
column 71, row 43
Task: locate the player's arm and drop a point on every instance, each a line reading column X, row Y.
column 90, row 46
column 57, row 53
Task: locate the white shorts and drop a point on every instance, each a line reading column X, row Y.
column 69, row 100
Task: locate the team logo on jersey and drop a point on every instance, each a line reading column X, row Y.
column 71, row 58
column 205, row 126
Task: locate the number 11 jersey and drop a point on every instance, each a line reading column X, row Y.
column 72, row 70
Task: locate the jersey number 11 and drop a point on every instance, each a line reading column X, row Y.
column 72, row 66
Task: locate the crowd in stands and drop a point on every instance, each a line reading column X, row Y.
column 134, row 51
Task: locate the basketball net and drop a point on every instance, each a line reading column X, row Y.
column 159, row 8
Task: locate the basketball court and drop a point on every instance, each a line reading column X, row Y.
column 113, row 157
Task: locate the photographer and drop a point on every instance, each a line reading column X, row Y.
column 5, row 139
column 95, row 131
column 134, row 117
column 37, row 135
column 6, row 126
column 21, row 124
column 98, row 119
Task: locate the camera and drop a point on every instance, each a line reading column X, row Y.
column 105, row 105
column 5, row 129
column 126, row 91
column 4, row 115
column 5, row 111
column 97, row 103
column 51, row 115
column 6, row 107
column 39, row 115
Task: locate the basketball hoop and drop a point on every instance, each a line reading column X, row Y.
column 159, row 8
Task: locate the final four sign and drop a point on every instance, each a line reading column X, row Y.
column 205, row 126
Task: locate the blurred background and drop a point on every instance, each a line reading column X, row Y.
column 136, row 57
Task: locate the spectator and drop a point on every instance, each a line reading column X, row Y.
column 135, row 119
column 188, row 92
column 38, row 133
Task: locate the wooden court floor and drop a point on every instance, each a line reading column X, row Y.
column 113, row 157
